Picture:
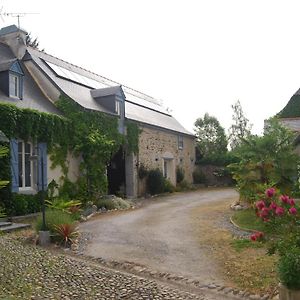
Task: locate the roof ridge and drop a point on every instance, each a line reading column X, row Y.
column 118, row 83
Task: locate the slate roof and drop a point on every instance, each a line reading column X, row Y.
column 78, row 82
column 292, row 108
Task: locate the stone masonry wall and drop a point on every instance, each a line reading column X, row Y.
column 159, row 149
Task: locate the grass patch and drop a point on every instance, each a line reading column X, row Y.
column 241, row 244
column 244, row 265
column 247, row 219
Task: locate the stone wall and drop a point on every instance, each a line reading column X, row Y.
column 158, row 148
column 215, row 175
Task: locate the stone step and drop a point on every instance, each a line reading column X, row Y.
column 4, row 224
column 13, row 227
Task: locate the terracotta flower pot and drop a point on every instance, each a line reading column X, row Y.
column 287, row 294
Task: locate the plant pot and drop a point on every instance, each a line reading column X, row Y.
column 287, row 294
column 44, row 238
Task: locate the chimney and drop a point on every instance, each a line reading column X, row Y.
column 15, row 38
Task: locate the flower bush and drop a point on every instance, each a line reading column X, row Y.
column 281, row 215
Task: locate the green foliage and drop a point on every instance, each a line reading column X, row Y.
column 211, row 138
column 53, row 217
column 2, row 212
column 96, row 138
column 5, row 175
column 155, row 182
column 179, row 174
column 3, row 152
column 63, row 205
column 199, row 176
column 183, row 186
column 289, row 268
column 241, row 244
column 67, row 233
column 110, row 204
column 218, row 159
column 132, row 135
column 25, row 123
column 247, row 219
column 240, row 129
column 168, row 186
column 25, row 204
column 266, row 161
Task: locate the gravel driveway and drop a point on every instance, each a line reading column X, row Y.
column 161, row 235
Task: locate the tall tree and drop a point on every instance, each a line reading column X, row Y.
column 211, row 138
column 241, row 128
column 264, row 161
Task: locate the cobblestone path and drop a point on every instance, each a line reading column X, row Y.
column 29, row 272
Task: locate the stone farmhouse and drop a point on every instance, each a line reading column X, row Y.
column 30, row 78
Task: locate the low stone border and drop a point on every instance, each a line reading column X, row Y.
column 240, row 228
column 141, row 270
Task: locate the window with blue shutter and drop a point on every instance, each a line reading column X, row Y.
column 42, row 166
column 14, row 165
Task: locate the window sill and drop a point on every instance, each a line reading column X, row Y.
column 27, row 191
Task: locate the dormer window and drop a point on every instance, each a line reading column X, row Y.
column 11, row 79
column 15, row 85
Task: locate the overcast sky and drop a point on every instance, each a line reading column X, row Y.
column 197, row 56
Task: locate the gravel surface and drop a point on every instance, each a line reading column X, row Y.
column 29, row 272
column 162, row 235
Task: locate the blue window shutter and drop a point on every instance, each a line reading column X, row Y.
column 14, row 162
column 42, row 156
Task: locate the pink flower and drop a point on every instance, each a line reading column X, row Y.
column 259, row 234
column 270, row 192
column 264, row 212
column 273, row 205
column 260, row 204
column 293, row 211
column 291, row 202
column 279, row 211
column 284, row 198
column 256, row 236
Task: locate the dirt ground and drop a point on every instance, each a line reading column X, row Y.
column 172, row 234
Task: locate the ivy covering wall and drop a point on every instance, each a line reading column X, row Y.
column 95, row 138
column 25, row 124
column 92, row 136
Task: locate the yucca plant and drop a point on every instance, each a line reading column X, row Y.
column 66, row 233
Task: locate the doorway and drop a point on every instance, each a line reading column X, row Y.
column 116, row 174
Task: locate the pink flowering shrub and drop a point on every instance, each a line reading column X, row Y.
column 277, row 209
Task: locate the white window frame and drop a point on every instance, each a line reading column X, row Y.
column 33, row 167
column 14, row 91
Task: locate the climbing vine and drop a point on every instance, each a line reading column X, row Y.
column 133, row 132
column 95, row 138
column 25, row 123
